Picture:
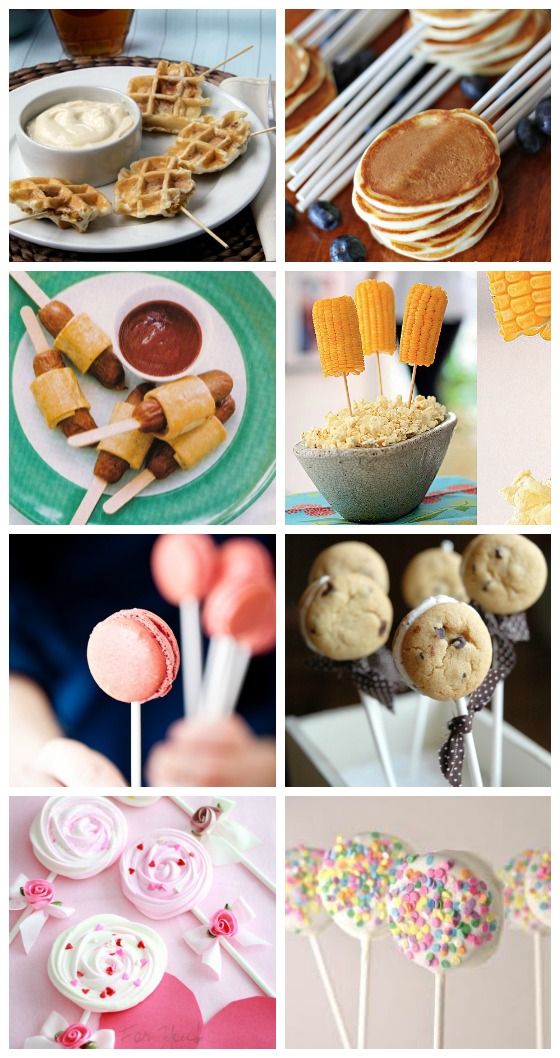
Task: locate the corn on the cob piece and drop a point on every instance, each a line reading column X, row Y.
column 521, row 303
column 423, row 316
column 338, row 336
column 375, row 302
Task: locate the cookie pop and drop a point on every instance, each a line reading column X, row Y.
column 445, row 913
column 443, row 650
column 503, row 574
column 184, row 568
column 133, row 657
column 306, row 916
column 353, row 885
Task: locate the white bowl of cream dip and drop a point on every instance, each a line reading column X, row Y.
column 80, row 134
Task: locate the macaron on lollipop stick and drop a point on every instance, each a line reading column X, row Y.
column 238, row 856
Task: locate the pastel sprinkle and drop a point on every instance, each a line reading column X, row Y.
column 303, row 906
column 355, row 877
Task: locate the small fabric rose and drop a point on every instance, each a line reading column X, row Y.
column 38, row 893
column 74, row 1036
column 205, row 818
column 223, row 924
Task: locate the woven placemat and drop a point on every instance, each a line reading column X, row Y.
column 239, row 232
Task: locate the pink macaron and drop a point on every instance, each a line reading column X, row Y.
column 133, row 656
column 244, row 558
column 184, row 566
column 245, row 610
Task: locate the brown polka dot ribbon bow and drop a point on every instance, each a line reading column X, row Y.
column 375, row 675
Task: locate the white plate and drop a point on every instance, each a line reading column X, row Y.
column 111, row 290
column 217, row 197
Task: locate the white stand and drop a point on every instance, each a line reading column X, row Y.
column 539, row 992
column 329, row 991
column 420, row 725
column 497, row 734
column 135, row 745
column 439, row 1010
column 375, row 720
column 365, row 951
column 191, row 653
column 474, row 767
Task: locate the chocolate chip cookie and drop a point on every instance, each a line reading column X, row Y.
column 345, row 616
column 435, row 571
column 351, row 556
column 443, row 648
column 505, row 573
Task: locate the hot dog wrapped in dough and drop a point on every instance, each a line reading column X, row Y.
column 132, row 447
column 186, row 404
column 193, row 446
column 82, row 341
column 58, row 395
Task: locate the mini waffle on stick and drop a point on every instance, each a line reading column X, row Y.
column 421, row 327
column 338, row 338
column 521, row 303
column 375, row 303
column 209, row 144
column 170, row 98
column 67, row 205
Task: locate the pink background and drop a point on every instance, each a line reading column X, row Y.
column 32, row 996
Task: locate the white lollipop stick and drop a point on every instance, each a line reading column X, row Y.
column 135, row 744
column 25, row 914
column 461, row 709
column 329, row 991
column 439, row 1010
column 365, row 952
column 191, row 648
column 539, row 992
column 247, row 863
column 497, row 734
column 375, row 720
column 236, row 956
column 419, row 734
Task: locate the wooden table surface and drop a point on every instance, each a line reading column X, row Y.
column 521, row 233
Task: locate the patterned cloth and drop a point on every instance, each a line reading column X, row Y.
column 450, row 501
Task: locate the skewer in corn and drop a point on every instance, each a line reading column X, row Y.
column 521, row 303
column 421, row 327
column 375, row 302
column 337, row 331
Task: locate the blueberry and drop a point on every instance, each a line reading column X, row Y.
column 324, row 215
column 474, row 87
column 542, row 116
column 347, row 248
column 529, row 137
column 346, row 72
column 290, row 216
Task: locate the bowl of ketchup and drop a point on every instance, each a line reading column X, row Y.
column 158, row 337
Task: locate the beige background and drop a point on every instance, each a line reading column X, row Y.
column 513, row 410
column 490, row 1006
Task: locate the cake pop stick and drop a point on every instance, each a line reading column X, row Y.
column 184, row 568
column 503, row 574
column 445, row 912
column 225, row 840
column 421, row 327
column 337, row 331
column 306, row 916
column 133, row 657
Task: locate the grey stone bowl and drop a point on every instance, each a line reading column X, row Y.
column 378, row 484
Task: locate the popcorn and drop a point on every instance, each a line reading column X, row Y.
column 530, row 499
column 376, row 425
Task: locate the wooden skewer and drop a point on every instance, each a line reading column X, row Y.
column 24, row 216
column 90, row 501
column 379, row 377
column 411, row 390
column 230, row 58
column 129, row 491
column 203, row 227
column 24, row 280
column 260, row 131
column 349, row 402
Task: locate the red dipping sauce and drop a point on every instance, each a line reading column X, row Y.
column 160, row 338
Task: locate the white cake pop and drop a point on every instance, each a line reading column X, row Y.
column 538, row 887
column 304, row 910
column 354, row 881
column 517, row 912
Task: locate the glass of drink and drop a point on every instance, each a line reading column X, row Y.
column 92, row 32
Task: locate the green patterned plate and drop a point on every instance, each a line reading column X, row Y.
column 244, row 331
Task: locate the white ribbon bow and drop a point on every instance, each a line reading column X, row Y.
column 31, row 925
column 209, row 947
column 226, row 838
column 55, row 1024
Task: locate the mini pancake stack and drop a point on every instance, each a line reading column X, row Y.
column 309, row 86
column 480, row 41
column 427, row 187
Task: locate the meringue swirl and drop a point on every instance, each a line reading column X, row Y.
column 166, row 874
column 78, row 837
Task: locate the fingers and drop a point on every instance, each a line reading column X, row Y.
column 217, row 753
column 70, row 763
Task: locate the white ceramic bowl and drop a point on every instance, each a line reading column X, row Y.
column 97, row 165
column 184, row 297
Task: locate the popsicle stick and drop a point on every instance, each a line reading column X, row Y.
column 379, row 376
column 247, row 863
column 348, row 401
column 236, row 956
column 135, row 745
column 24, row 280
column 203, row 227
column 539, row 992
column 89, row 502
column 129, row 491
column 365, row 952
column 419, row 734
column 260, row 132
column 474, row 767
column 230, row 58
column 33, row 328
column 110, row 429
column 439, row 1010
column 375, row 720
column 26, row 913
column 191, row 648
column 411, row 390
column 329, row 991
column 497, row 734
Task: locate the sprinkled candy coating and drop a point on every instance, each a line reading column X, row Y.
column 304, row 909
column 445, row 910
column 538, row 887
column 354, row 881
column 517, row 912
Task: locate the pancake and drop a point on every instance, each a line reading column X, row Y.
column 312, row 106
column 490, row 45
column 449, row 18
column 438, row 158
column 315, row 76
column 297, row 65
column 432, row 224
column 467, row 236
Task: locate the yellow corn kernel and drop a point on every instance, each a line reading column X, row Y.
column 521, row 303
column 421, row 327
column 375, row 302
column 338, row 336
